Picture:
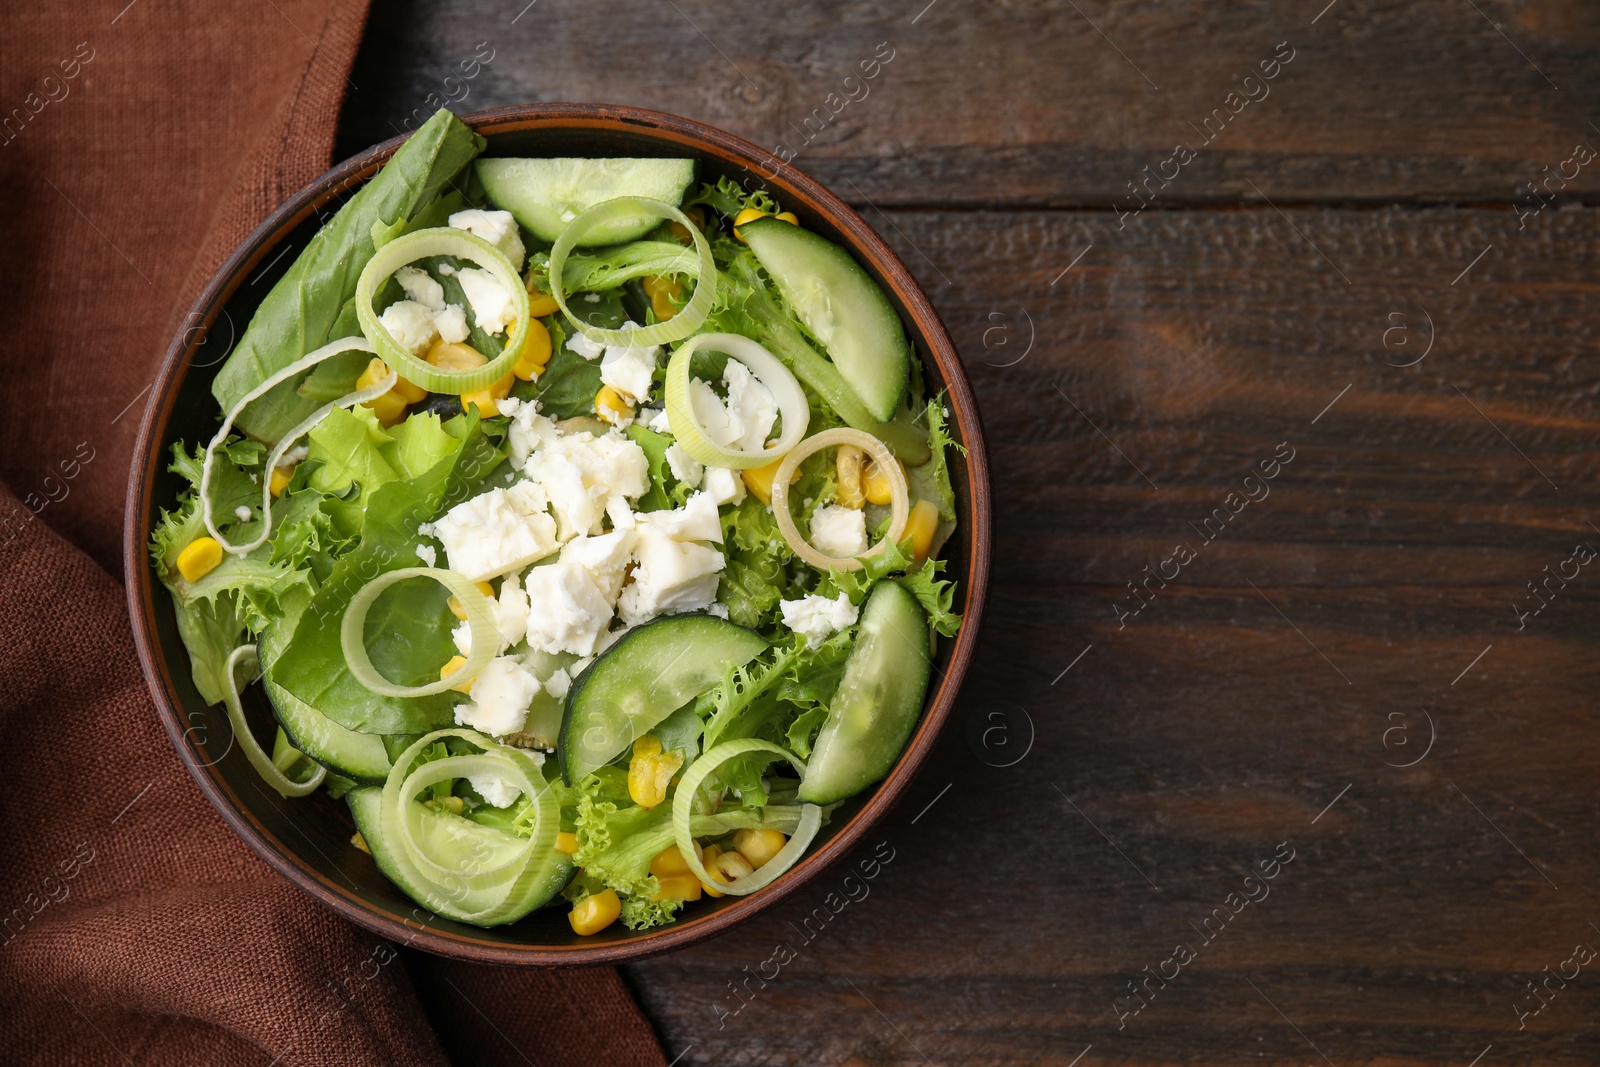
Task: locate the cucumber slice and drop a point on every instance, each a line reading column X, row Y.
column 546, row 194
column 878, row 701
column 343, row 751
column 651, row 672
column 452, row 839
column 842, row 306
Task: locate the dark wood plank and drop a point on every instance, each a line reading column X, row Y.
column 1210, row 727
column 1034, row 104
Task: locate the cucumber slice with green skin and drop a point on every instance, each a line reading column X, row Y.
column 879, row 698
column 546, row 194
column 841, row 305
column 651, row 672
column 455, row 840
column 343, row 751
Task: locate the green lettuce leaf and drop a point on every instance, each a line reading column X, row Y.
column 753, row 579
column 313, row 668
column 309, row 302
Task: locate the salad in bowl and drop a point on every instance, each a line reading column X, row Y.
column 580, row 520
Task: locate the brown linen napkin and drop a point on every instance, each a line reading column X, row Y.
column 139, row 142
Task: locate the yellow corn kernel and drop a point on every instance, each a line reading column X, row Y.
column 567, row 842
column 595, row 912
column 758, row 846
column 662, row 291
column 485, row 398
column 729, row 866
column 199, row 558
column 540, row 303
column 847, row 464
column 455, row 602
column 876, row 483
column 448, row 356
column 389, row 408
column 450, row 668
column 697, row 216
column 377, row 370
column 609, row 405
column 921, row 525
column 759, row 479
column 788, row 216
column 650, row 771
column 708, row 858
column 749, row 214
column 280, row 479
column 535, row 354
column 668, row 862
column 678, row 887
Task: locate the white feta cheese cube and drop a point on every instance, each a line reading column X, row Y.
column 839, row 532
column 420, row 286
column 529, row 430
column 605, row 557
column 711, row 414
column 671, row 576
column 500, row 698
column 656, row 419
column 410, row 324
column 462, row 636
column 725, row 485
column 685, row 467
column 492, row 306
column 498, row 531
column 496, row 791
column 817, row 617
column 496, row 227
column 428, row 555
column 451, row 324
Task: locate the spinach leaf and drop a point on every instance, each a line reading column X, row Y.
column 309, row 303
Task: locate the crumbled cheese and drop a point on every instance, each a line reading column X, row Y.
column 420, row 287
column 817, row 617
column 558, row 684
column 492, row 306
column 462, row 636
column 427, row 555
column 584, row 347
column 581, row 473
column 629, row 370
column 567, row 609
column 697, row 520
column 725, row 486
column 671, row 576
column 410, row 324
column 509, row 406
column 498, row 531
column 685, row 467
column 605, row 557
column 500, row 697
column 839, row 532
column 745, row 420
column 242, row 513
column 656, row 419
column 295, row 455
column 529, row 430
column 496, row 227
column 452, row 324
column 446, row 269
column 510, row 611
column 496, row 791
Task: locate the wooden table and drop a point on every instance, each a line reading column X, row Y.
column 1350, row 281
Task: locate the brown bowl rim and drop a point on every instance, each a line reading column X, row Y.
column 704, row 140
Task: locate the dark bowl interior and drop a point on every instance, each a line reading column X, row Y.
column 308, row 840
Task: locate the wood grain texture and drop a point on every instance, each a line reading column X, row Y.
column 1270, row 692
